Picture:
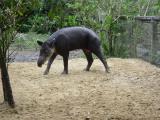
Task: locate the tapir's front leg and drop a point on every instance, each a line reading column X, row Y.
column 50, row 61
column 65, row 61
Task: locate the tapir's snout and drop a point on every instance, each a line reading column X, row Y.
column 40, row 62
column 39, row 65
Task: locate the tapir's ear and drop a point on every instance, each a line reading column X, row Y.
column 40, row 43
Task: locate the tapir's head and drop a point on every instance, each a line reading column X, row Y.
column 46, row 51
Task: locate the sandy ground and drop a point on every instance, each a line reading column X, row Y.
column 131, row 91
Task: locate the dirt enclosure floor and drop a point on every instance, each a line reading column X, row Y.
column 131, row 91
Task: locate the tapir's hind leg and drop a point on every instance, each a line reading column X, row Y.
column 99, row 54
column 89, row 57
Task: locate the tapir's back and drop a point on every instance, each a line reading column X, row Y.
column 74, row 37
column 74, row 32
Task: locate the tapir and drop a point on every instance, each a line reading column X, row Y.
column 67, row 39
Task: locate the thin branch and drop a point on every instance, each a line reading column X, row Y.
column 149, row 1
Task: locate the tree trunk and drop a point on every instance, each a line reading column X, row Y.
column 7, row 90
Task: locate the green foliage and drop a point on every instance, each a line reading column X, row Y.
column 106, row 16
column 104, row 42
column 12, row 14
column 41, row 24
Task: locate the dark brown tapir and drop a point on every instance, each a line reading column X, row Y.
column 68, row 39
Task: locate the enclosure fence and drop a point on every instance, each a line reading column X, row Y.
column 146, row 37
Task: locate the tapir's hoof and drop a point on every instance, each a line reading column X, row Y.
column 64, row 73
column 45, row 73
column 108, row 70
column 85, row 69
